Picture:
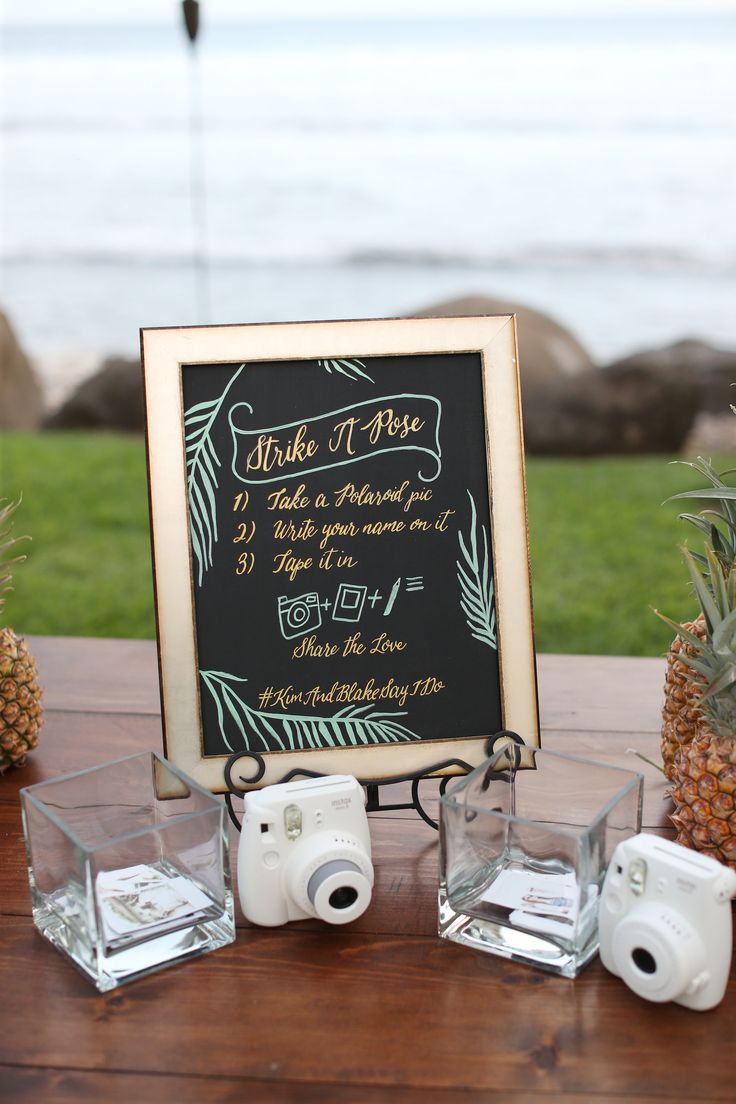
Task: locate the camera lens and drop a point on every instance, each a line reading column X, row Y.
column 644, row 960
column 343, row 897
column 339, row 891
column 657, row 951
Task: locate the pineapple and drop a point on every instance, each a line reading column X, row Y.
column 718, row 526
column 705, row 784
column 21, row 715
column 703, row 770
column 681, row 715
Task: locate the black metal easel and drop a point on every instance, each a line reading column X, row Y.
column 372, row 785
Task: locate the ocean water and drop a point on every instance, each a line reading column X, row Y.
column 583, row 166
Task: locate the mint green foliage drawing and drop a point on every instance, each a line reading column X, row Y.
column 476, row 582
column 353, row 369
column 352, row 726
column 202, row 464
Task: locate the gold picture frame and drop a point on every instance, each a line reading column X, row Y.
column 239, row 418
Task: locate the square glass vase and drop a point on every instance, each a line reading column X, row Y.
column 128, row 866
column 525, row 840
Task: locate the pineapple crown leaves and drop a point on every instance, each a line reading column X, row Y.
column 715, row 592
column 717, row 526
column 6, row 543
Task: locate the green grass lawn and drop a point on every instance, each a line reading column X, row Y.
column 604, row 549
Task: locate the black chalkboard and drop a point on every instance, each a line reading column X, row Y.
column 341, row 554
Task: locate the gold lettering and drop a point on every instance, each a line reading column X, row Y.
column 282, row 500
column 308, row 646
column 269, row 452
column 344, row 431
column 289, row 564
column 384, row 643
column 377, row 528
column 395, row 425
column 338, row 529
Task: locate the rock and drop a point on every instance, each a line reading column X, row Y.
column 617, row 410
column 714, row 369
column 110, row 399
column 546, row 349
column 572, row 408
column 711, row 433
column 21, row 395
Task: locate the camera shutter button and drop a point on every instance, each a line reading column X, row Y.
column 271, row 859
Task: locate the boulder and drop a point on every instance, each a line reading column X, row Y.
column 546, row 349
column 110, row 399
column 713, row 368
column 21, row 395
column 623, row 409
column 711, row 433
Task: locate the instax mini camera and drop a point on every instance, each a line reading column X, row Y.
column 305, row 851
column 665, row 922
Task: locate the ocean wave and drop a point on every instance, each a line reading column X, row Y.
column 659, row 259
column 648, row 259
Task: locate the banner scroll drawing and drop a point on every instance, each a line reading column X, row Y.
column 391, row 423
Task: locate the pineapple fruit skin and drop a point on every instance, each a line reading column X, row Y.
column 704, row 793
column 21, row 713
column 699, row 716
column 680, row 714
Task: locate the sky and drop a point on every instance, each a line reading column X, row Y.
column 159, row 11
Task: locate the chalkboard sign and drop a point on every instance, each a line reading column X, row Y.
column 340, row 547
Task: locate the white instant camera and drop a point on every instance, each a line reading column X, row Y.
column 665, row 922
column 305, row 851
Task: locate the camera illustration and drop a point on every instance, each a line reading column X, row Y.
column 665, row 922
column 305, row 851
column 300, row 615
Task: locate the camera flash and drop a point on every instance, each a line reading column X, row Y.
column 293, row 821
column 637, row 876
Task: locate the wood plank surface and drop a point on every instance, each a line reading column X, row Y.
column 289, row 1005
column 75, row 741
column 577, row 693
column 600, row 693
column 97, row 674
column 380, row 1010
column 64, row 1086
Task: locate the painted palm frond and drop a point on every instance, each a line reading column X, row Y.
column 353, row 369
column 202, row 465
column 476, row 581
column 350, row 727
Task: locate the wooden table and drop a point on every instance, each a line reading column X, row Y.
column 381, row 1011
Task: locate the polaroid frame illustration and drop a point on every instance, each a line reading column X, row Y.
column 182, row 546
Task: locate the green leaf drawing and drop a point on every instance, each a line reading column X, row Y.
column 353, row 369
column 352, row 726
column 202, row 464
column 476, row 582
